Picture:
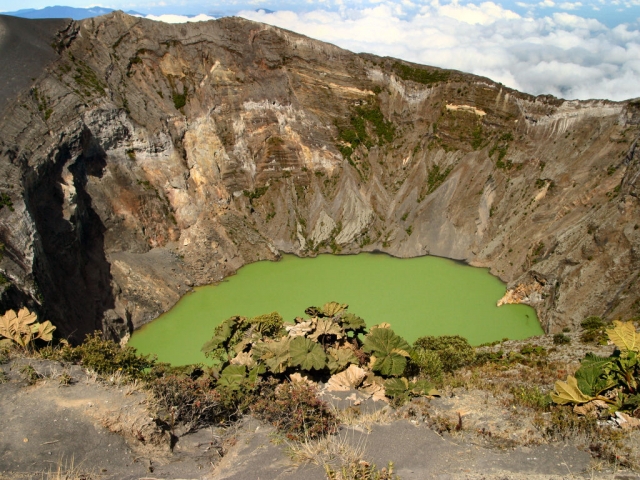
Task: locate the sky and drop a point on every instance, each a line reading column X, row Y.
column 571, row 49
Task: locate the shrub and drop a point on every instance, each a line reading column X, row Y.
column 603, row 441
column 295, row 410
column 29, row 374
column 189, row 400
column 592, row 323
column 454, row 351
column 561, row 339
column 180, row 99
column 594, row 330
column 488, row 357
column 106, row 357
column 537, row 350
column 426, row 364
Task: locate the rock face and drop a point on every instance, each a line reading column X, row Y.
column 148, row 158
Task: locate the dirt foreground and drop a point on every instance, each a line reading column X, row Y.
column 69, row 422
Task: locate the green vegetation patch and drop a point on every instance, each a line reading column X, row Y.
column 501, row 147
column 420, row 75
column 356, row 133
column 180, row 99
column 363, row 118
column 256, row 192
column 594, row 330
column 5, row 201
column 435, row 177
column 477, row 138
column 88, row 80
column 454, row 351
column 43, row 103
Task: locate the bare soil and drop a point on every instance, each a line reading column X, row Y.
column 106, row 429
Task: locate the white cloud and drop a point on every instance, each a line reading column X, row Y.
column 171, row 18
column 561, row 54
column 570, row 5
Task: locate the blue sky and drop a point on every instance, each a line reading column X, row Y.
column 572, row 49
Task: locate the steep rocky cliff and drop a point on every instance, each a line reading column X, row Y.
column 148, row 158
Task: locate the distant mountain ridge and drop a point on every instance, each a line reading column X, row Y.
column 60, row 11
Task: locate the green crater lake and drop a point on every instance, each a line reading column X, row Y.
column 417, row 296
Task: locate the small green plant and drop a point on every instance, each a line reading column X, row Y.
column 364, row 119
column 87, row 80
column 426, row 364
column 561, row 339
column 435, row 177
column 401, row 390
column 29, row 374
column 476, row 137
column 43, row 103
column 390, row 350
column 65, row 379
column 3, row 377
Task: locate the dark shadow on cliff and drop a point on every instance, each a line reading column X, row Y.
column 70, row 267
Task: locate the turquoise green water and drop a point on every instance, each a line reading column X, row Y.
column 417, row 296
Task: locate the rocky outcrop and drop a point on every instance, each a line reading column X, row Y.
column 149, row 158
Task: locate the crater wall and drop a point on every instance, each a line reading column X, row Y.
column 148, row 158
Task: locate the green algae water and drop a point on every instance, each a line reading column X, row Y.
column 417, row 296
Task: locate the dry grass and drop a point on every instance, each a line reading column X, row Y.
column 343, row 448
column 64, row 470
column 354, row 417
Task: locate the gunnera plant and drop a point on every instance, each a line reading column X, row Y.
column 612, row 382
